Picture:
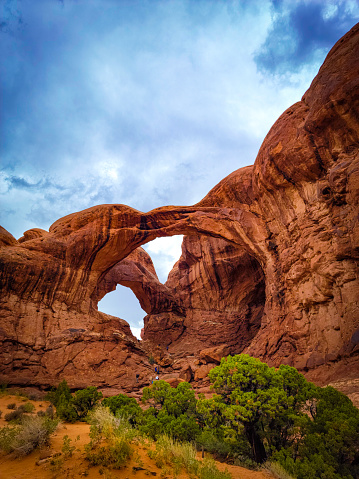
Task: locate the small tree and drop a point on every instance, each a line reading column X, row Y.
column 122, row 405
column 85, row 400
column 72, row 408
column 330, row 446
column 172, row 411
column 255, row 400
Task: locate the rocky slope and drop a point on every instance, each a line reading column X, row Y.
column 269, row 265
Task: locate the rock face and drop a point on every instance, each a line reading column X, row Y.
column 221, row 291
column 269, row 265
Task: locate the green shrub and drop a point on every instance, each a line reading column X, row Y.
column 172, row 411
column 85, row 400
column 224, row 444
column 14, row 416
column 61, row 398
column 114, row 454
column 67, row 449
column 209, row 470
column 66, row 411
column 33, row 433
column 7, row 436
column 124, row 406
column 111, row 439
column 277, row 470
column 60, row 394
column 73, row 408
column 11, row 406
column 27, row 407
column 3, row 387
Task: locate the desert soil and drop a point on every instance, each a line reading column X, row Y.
column 45, row 464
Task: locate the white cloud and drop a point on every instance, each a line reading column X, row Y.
column 164, row 252
column 136, row 332
column 147, row 104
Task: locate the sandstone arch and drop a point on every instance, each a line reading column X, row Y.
column 295, row 211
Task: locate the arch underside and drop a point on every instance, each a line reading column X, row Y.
column 215, row 286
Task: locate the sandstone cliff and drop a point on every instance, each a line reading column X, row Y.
column 269, row 265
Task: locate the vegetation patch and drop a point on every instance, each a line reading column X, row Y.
column 33, row 432
column 257, row 417
column 111, row 439
column 72, row 408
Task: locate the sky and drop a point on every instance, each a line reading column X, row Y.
column 145, row 102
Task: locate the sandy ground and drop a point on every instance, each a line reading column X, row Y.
column 44, row 464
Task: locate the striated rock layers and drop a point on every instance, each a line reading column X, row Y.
column 269, row 265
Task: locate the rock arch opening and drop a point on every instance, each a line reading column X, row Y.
column 127, row 280
column 214, row 294
column 164, row 252
column 123, row 304
column 220, row 291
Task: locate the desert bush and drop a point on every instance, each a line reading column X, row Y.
column 85, row 400
column 73, row 408
column 209, row 470
column 103, row 424
column 34, row 432
column 124, row 406
column 111, row 439
column 3, row 387
column 182, row 455
column 27, row 407
column 35, row 396
column 7, row 436
column 114, row 454
column 175, row 454
column 50, row 411
column 12, row 405
column 224, row 444
column 67, row 449
column 14, row 416
column 0, row 413
column 277, row 470
column 32, row 435
column 244, row 461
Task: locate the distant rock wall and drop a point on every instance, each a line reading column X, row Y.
column 269, row 264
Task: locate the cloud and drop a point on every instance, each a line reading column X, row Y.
column 148, row 102
column 164, row 252
column 303, row 31
column 145, row 104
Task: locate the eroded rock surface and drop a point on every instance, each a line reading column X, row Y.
column 221, row 290
column 269, row 265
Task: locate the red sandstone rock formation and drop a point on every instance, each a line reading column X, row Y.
column 221, row 290
column 269, row 265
